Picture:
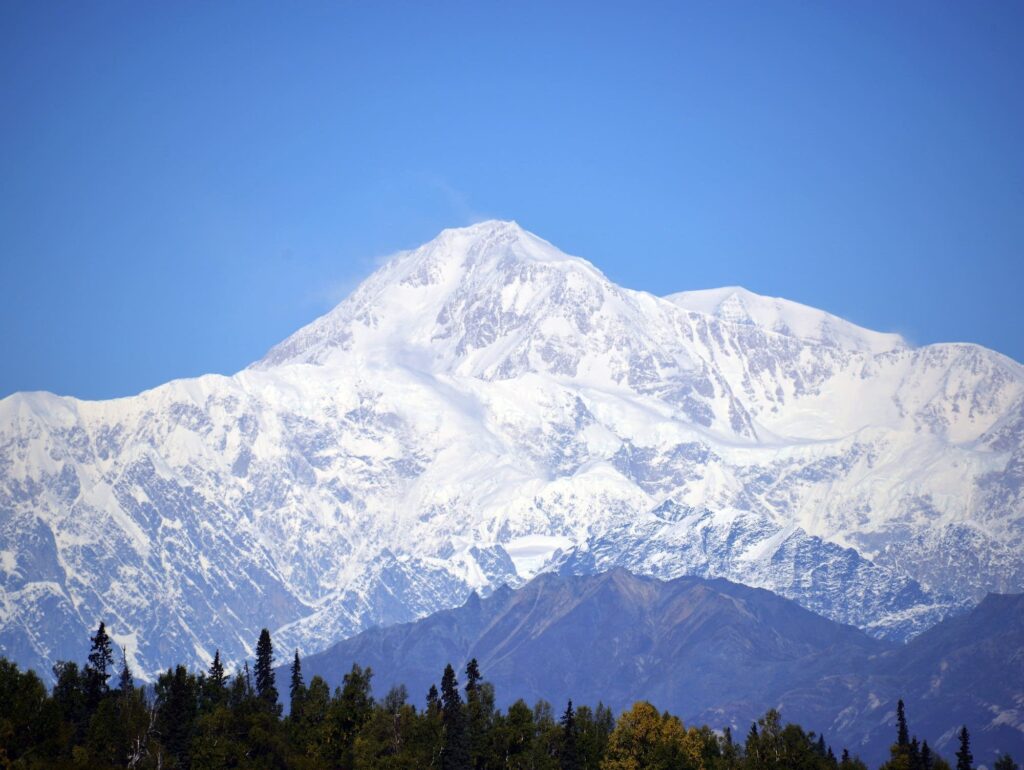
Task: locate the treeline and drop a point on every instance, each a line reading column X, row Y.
column 96, row 717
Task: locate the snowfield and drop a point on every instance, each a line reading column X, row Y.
column 486, row 407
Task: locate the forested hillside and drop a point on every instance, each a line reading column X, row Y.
column 97, row 717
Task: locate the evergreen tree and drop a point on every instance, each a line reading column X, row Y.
column 98, row 669
column 479, row 710
column 297, row 688
column 176, row 707
column 454, row 752
column 1005, row 762
column 433, row 700
column 266, row 689
column 125, row 681
column 215, row 676
column 964, row 758
column 472, row 678
column 214, row 684
column 926, row 756
column 914, row 754
column 568, row 754
column 902, row 734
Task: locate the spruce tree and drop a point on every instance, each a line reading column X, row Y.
column 433, row 700
column 125, row 681
column 472, row 678
column 568, row 753
column 297, row 688
column 214, row 685
column 926, row 756
column 98, row 669
column 902, row 734
column 176, row 706
column 964, row 758
column 266, row 690
column 478, row 713
column 454, row 753
column 215, row 676
column 914, row 754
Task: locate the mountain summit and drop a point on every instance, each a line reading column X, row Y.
column 484, row 408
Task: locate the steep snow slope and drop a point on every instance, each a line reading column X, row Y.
column 485, row 407
column 739, row 306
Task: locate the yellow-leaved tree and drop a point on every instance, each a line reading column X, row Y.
column 644, row 739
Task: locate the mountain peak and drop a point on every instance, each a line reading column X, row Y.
column 467, row 289
column 487, row 227
column 476, row 297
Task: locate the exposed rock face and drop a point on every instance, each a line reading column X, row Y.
column 485, row 407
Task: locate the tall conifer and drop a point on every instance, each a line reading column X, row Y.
column 433, row 700
column 215, row 675
column 902, row 734
column 266, row 689
column 568, row 754
column 98, row 669
column 964, row 758
column 297, row 688
column 454, row 753
column 125, row 681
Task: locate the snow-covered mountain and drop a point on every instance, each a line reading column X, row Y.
column 485, row 407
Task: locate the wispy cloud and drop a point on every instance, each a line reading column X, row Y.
column 458, row 201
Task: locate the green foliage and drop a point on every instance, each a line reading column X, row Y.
column 97, row 670
column 568, row 752
column 454, row 743
column 297, row 687
column 350, row 709
column 266, row 689
column 177, row 701
column 210, row 721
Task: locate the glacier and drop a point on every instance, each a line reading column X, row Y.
column 484, row 408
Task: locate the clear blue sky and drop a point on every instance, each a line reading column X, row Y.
column 184, row 184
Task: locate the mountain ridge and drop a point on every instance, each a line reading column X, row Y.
column 714, row 652
column 484, row 408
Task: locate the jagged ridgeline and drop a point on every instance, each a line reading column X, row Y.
column 486, row 407
column 210, row 720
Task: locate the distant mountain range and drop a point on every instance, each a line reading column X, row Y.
column 484, row 408
column 715, row 653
